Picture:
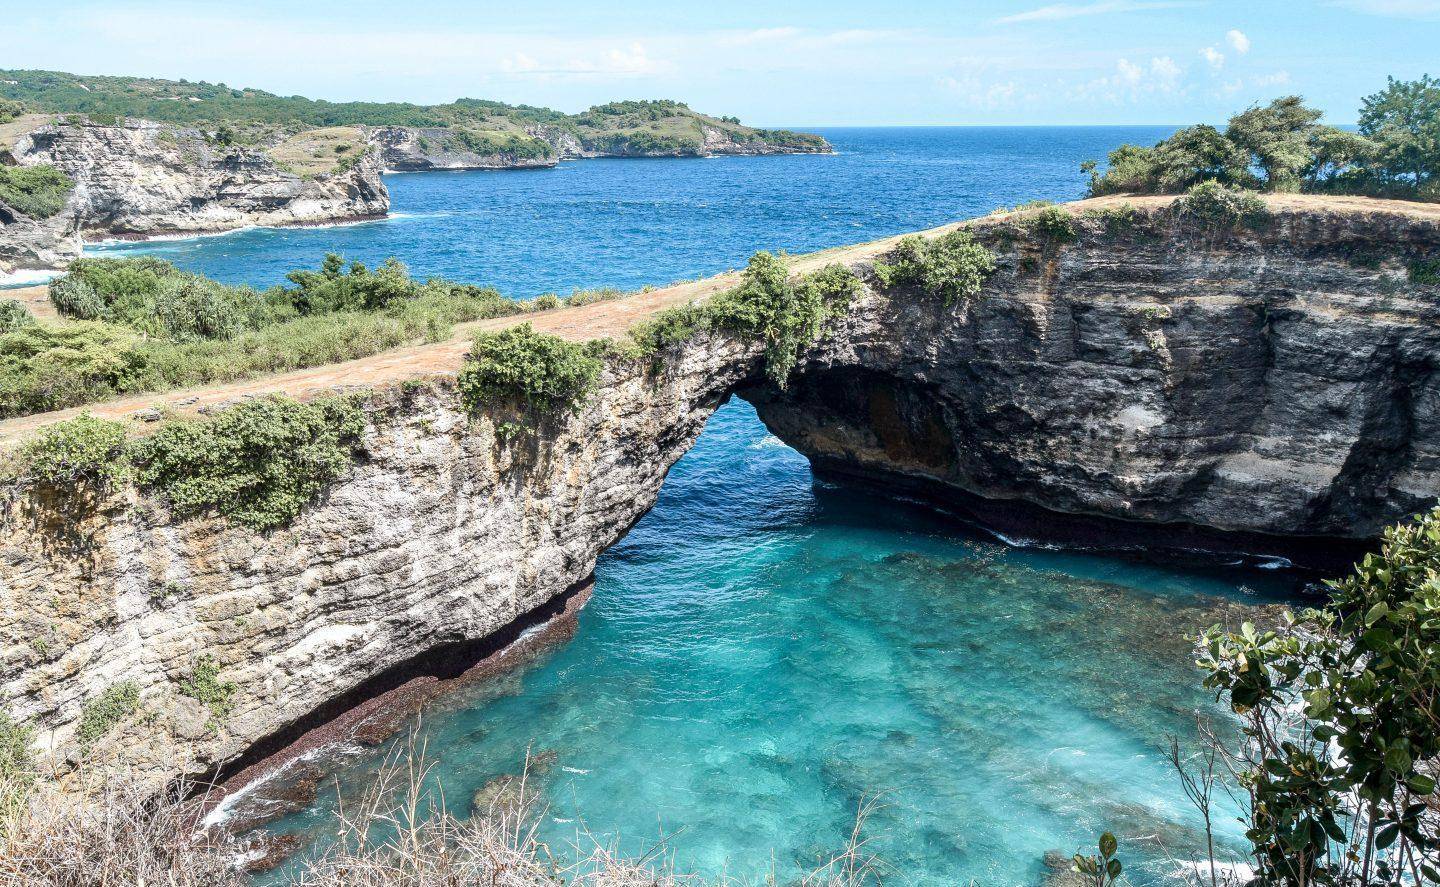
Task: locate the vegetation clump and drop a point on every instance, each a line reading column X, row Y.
column 36, row 191
column 13, row 316
column 536, row 369
column 1216, row 208
column 1339, row 711
column 1052, row 224
column 16, row 760
column 100, row 715
column 1283, row 147
column 786, row 315
column 952, row 265
column 257, row 464
column 140, row 324
column 1425, row 271
column 80, row 452
column 204, row 685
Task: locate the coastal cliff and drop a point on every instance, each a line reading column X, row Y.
column 138, row 178
column 1250, row 384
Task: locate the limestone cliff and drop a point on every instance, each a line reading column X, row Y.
column 1280, row 381
column 138, row 179
column 414, row 149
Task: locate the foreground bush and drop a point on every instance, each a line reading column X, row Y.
column 84, row 451
column 1340, row 709
column 36, row 191
column 1216, row 208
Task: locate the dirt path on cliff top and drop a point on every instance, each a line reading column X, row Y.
column 602, row 319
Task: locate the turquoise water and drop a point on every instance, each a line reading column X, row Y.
column 764, row 651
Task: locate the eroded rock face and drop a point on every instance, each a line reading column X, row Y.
column 442, row 534
column 1281, row 381
column 27, row 242
column 140, row 178
column 1276, row 382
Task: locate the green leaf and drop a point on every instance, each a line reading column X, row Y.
column 1376, row 613
column 1421, row 784
column 1113, row 869
column 1108, row 845
column 1387, row 835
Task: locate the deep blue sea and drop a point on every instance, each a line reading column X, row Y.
column 764, row 652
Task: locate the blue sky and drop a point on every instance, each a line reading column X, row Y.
column 837, row 62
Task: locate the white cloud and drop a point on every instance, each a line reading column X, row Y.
column 1060, row 11
column 1164, row 70
column 1129, row 72
column 1279, row 78
column 1421, row 9
column 1238, row 41
column 1213, row 57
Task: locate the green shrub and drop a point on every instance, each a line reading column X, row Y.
column 36, row 191
column 952, row 266
column 156, row 298
column 1425, row 271
column 99, row 716
column 205, row 685
column 14, row 315
column 9, row 110
column 519, row 364
column 48, row 367
column 786, row 315
column 589, row 297
column 669, row 327
column 80, row 451
column 545, row 302
column 1215, row 207
column 17, row 763
column 1051, row 223
column 258, row 463
column 1117, row 220
column 338, row 287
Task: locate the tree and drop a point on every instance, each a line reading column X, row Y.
column 1276, row 138
column 1404, row 121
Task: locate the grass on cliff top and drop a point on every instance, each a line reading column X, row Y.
column 318, row 152
column 138, row 325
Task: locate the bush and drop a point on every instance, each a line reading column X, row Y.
column 785, row 315
column 258, row 464
column 36, row 191
column 589, row 297
column 669, row 327
column 338, row 287
column 84, row 451
column 46, row 367
column 17, row 762
column 13, row 316
column 519, row 364
column 1051, row 223
column 204, row 684
column 99, row 716
column 1339, row 711
column 952, row 266
column 1425, row 271
column 1218, row 208
column 156, row 298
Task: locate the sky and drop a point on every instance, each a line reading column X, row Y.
column 814, row 63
